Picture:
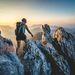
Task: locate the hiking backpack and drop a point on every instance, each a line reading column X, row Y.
column 18, row 28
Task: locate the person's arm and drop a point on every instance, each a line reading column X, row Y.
column 28, row 30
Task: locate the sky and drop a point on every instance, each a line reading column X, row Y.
column 37, row 11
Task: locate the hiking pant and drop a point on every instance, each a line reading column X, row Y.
column 19, row 38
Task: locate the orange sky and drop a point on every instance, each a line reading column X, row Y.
column 37, row 12
column 11, row 19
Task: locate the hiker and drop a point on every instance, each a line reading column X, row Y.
column 20, row 33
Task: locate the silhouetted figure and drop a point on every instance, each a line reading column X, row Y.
column 20, row 33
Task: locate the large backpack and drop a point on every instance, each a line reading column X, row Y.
column 18, row 28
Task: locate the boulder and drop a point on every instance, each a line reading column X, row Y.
column 9, row 62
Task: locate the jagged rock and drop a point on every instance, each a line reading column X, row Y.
column 47, row 30
column 60, row 61
column 66, row 41
column 35, row 61
column 6, row 45
column 51, row 57
column 54, row 57
column 9, row 62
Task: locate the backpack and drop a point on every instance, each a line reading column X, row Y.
column 18, row 28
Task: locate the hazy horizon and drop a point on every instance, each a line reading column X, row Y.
column 58, row 12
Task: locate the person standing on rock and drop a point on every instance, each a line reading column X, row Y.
column 20, row 33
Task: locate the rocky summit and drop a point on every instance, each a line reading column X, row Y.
column 55, row 55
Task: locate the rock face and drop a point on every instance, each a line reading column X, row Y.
column 60, row 61
column 64, row 45
column 66, row 41
column 35, row 61
column 9, row 62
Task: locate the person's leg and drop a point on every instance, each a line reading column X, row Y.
column 25, row 40
column 18, row 46
column 25, row 45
